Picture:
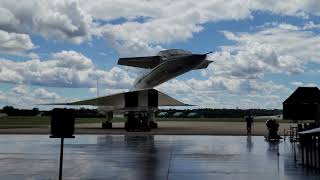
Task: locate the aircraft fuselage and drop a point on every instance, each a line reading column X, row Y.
column 170, row 68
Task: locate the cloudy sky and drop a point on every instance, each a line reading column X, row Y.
column 57, row 51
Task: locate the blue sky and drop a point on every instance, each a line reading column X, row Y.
column 57, row 51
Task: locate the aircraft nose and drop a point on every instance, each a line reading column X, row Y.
column 194, row 59
column 200, row 56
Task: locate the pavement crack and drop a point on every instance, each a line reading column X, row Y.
column 171, row 152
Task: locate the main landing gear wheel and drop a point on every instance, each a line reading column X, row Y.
column 153, row 125
column 138, row 121
column 107, row 125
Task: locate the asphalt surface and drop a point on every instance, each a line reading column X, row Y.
column 139, row 157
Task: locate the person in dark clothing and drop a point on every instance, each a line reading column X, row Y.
column 273, row 127
column 249, row 120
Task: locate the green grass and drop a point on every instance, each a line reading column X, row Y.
column 24, row 120
column 43, row 121
column 36, row 121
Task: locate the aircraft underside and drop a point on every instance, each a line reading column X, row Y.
column 139, row 106
column 135, row 121
column 139, row 109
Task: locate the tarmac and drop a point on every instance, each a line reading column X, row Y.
column 139, row 157
column 165, row 128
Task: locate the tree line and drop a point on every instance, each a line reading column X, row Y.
column 216, row 113
column 80, row 113
column 161, row 113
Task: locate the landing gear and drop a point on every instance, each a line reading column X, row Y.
column 108, row 123
column 132, row 122
column 138, row 121
column 153, row 125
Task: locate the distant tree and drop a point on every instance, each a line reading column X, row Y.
column 35, row 111
column 9, row 110
column 223, row 113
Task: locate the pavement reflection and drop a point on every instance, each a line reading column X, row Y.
column 149, row 157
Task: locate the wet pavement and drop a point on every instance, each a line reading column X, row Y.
column 149, row 157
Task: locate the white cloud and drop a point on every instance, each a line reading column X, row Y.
column 239, row 70
column 288, row 7
column 63, row 20
column 105, row 92
column 15, row 44
column 284, row 39
column 299, row 83
column 224, row 92
column 160, row 22
column 128, row 48
column 23, row 96
column 109, row 10
column 19, row 90
column 45, row 94
column 3, row 97
column 103, row 54
column 144, row 25
column 66, row 69
column 281, row 48
column 39, row 93
column 213, row 10
column 311, row 25
column 73, row 60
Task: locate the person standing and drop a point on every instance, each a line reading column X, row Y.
column 249, row 121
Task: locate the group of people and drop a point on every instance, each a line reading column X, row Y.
column 272, row 125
